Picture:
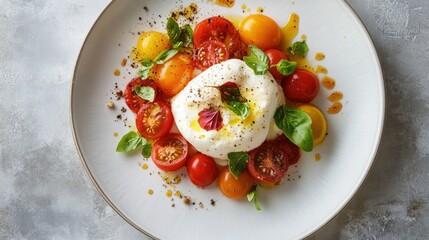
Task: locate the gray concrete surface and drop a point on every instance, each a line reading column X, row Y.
column 45, row 194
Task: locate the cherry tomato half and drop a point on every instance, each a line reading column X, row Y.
column 210, row 53
column 172, row 76
column 170, row 152
column 154, row 119
column 268, row 163
column 219, row 29
column 133, row 101
column 261, row 31
column 292, row 151
column 274, row 56
column 202, row 169
column 234, row 188
column 300, row 86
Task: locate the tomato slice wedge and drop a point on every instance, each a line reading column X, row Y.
column 292, row 151
column 219, row 29
column 170, row 152
column 268, row 163
column 133, row 101
column 154, row 119
column 210, row 53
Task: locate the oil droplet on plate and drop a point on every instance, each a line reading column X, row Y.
column 321, row 69
column 319, row 56
column 169, row 193
column 145, row 166
column 289, row 31
column 335, row 108
column 328, row 83
column 150, row 191
column 335, row 96
column 124, row 62
column 117, row 72
column 317, row 157
column 225, row 3
column 115, row 134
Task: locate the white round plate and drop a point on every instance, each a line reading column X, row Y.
column 317, row 190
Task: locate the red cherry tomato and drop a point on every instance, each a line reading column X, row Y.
column 268, row 163
column 210, row 53
column 219, row 29
column 292, row 151
column 202, row 169
column 300, row 86
column 170, row 152
column 133, row 101
column 154, row 119
column 274, row 56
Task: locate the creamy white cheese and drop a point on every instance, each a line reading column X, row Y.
column 262, row 93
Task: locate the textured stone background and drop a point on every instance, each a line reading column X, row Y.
column 45, row 194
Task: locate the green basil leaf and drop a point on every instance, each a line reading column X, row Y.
column 165, row 55
column 186, row 35
column 237, row 162
column 298, row 49
column 231, row 96
column 257, row 60
column 129, row 142
column 145, row 92
column 285, row 67
column 241, row 109
column 147, row 150
column 147, row 64
column 253, row 195
column 296, row 125
column 173, row 31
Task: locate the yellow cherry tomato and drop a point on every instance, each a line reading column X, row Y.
column 319, row 125
column 150, row 44
column 172, row 76
column 261, row 31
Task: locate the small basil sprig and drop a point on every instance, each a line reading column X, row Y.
column 253, row 195
column 131, row 141
column 231, row 96
column 237, row 162
column 148, row 63
column 258, row 61
column 145, row 92
column 298, row 49
column 296, row 125
column 179, row 38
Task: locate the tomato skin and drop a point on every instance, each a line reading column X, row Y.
column 202, row 169
column 150, row 44
column 274, row 56
column 261, row 31
column 170, row 152
column 218, row 29
column 209, row 53
column 172, row 76
column 268, row 163
column 292, row 151
column 154, row 119
column 234, row 188
column 301, row 86
column 133, row 101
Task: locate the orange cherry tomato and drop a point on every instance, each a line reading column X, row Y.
column 261, row 31
column 172, row 76
column 234, row 188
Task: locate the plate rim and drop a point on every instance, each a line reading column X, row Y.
column 311, row 231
